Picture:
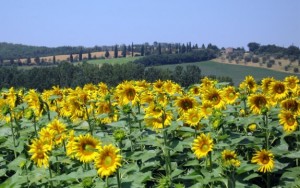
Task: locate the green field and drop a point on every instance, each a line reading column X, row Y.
column 236, row 72
column 113, row 60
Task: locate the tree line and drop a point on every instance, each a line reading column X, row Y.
column 11, row 54
column 70, row 75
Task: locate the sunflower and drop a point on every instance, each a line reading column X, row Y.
column 257, row 103
column 202, row 145
column 214, row 96
column 206, row 109
column 59, row 129
column 185, row 102
column 127, row 92
column 107, row 160
column 103, row 89
column 289, row 120
column 249, row 84
column 291, row 104
column 105, row 107
column 229, row 158
column 265, row 159
column 292, row 82
column 38, row 150
column 192, row 117
column 85, row 148
column 47, row 135
column 147, row 97
column 252, row 127
column 159, row 122
column 278, row 90
column 71, row 145
column 194, row 90
column 158, row 86
column 229, row 94
column 170, row 87
column 11, row 97
column 34, row 102
column 265, row 84
column 207, row 83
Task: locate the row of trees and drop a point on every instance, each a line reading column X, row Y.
column 192, row 56
column 256, row 48
column 69, row 75
column 11, row 54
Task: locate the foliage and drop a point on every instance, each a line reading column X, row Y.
column 164, row 59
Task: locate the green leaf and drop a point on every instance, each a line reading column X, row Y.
column 176, row 172
column 246, row 168
column 293, row 155
column 251, row 176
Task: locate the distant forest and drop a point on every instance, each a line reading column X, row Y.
column 70, row 75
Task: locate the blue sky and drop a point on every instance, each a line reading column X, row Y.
column 230, row 23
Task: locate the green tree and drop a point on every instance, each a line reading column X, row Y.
column 54, row 60
column 71, row 58
column 80, row 55
column 37, row 60
column 159, row 49
column 203, row 46
column 89, row 55
column 106, row 53
column 253, row 46
column 124, row 51
column 132, row 49
column 142, row 50
column 183, row 48
column 28, row 61
column 116, row 51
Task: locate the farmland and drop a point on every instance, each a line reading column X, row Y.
column 236, row 72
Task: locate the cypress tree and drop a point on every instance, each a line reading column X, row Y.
column 116, row 52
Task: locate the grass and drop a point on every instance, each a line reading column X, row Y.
column 236, row 72
column 113, row 60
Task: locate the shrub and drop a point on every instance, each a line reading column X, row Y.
column 296, row 70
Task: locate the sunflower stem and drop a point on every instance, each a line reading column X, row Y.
column 166, row 149
column 268, row 180
column 231, row 179
column 106, row 180
column 34, row 124
column 118, row 178
column 89, row 121
column 48, row 110
column 267, row 131
column 50, row 173
column 129, row 125
column 13, row 134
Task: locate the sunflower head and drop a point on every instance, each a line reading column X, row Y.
column 229, row 158
column 278, row 90
column 202, row 145
column 107, row 160
column 265, row 84
column 249, row 84
column 185, row 102
column 192, row 117
column 291, row 104
column 258, row 103
column 289, row 121
column 252, row 127
column 229, row 94
column 85, row 148
column 265, row 160
column 292, row 82
column 214, row 96
column 39, row 151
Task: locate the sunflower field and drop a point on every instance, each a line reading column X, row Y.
column 141, row 134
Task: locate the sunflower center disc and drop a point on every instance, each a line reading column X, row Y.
column 107, row 160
